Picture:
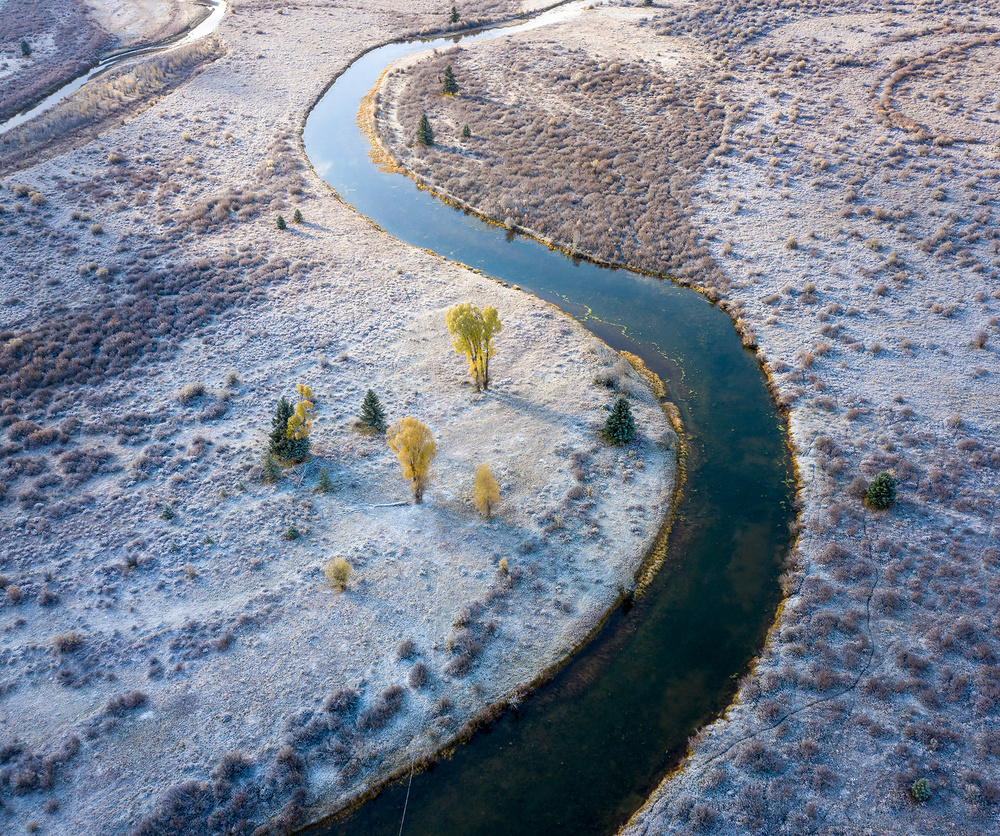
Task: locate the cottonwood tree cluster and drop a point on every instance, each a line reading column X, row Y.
column 411, row 441
column 472, row 331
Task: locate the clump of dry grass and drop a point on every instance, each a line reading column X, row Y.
column 67, row 642
column 338, row 573
column 380, row 712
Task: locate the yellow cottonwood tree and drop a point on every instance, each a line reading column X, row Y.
column 300, row 422
column 486, row 491
column 413, row 444
column 472, row 333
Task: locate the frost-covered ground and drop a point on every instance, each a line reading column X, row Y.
column 193, row 669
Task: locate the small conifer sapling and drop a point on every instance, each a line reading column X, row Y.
column 466, row 131
column 270, row 472
column 453, row 17
column 297, row 217
column 278, row 438
column 620, row 426
column 26, row 47
column 372, row 414
column 324, row 485
column 920, row 790
column 881, row 492
column 280, row 223
column 450, row 86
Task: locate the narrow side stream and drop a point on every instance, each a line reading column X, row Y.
column 206, row 27
column 583, row 752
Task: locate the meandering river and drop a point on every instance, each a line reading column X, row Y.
column 584, row 751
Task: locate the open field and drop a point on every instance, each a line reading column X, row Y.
column 837, row 190
column 173, row 656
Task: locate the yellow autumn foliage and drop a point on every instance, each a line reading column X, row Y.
column 338, row 572
column 413, row 444
column 472, row 333
column 486, row 491
column 300, row 422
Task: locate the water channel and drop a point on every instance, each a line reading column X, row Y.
column 217, row 10
column 583, row 752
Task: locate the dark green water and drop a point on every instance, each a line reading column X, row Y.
column 583, row 752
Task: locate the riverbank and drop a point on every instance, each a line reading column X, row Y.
column 844, row 213
column 172, row 651
column 65, row 37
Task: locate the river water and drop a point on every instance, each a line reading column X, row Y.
column 583, row 752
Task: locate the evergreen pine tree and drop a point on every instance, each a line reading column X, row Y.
column 372, row 414
column 298, row 449
column 450, row 86
column 280, row 223
column 297, row 217
column 453, row 18
column 620, row 427
column 26, row 47
column 466, row 133
column 425, row 136
column 881, row 493
column 280, row 444
column 270, row 472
